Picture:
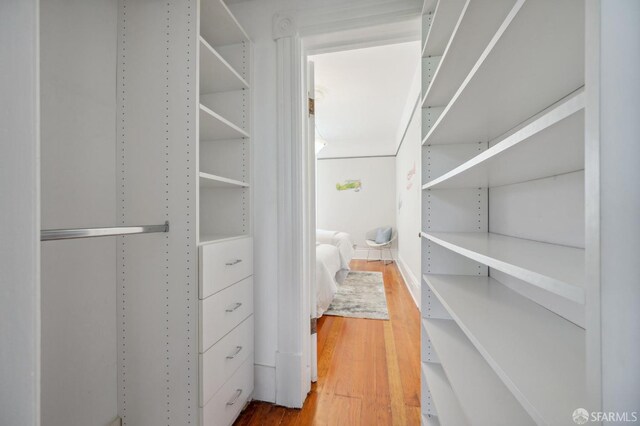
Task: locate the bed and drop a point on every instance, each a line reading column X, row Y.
column 341, row 240
column 334, row 251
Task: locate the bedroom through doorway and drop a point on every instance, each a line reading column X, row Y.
column 367, row 322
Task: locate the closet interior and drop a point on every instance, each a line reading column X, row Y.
column 145, row 112
column 503, row 216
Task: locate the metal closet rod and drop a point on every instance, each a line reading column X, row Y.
column 67, row 234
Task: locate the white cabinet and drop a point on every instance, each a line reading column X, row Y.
column 225, row 246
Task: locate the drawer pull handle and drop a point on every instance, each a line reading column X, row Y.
column 235, row 306
column 233, row 262
column 235, row 398
column 238, row 350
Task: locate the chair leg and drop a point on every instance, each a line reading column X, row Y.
column 390, row 255
column 368, row 252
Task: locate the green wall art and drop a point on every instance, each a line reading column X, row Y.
column 351, row 184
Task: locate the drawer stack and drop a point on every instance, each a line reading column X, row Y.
column 226, row 329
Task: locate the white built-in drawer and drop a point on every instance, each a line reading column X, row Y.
column 224, row 263
column 222, row 359
column 221, row 312
column 227, row 403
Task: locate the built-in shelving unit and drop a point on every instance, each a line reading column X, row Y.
column 213, row 181
column 224, row 158
column 482, row 396
column 553, row 267
column 526, row 345
column 524, row 154
column 225, row 252
column 217, row 75
column 492, row 98
column 503, row 116
column 447, row 404
column 215, row 127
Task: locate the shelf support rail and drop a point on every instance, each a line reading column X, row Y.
column 67, row 234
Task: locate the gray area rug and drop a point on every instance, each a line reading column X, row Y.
column 360, row 296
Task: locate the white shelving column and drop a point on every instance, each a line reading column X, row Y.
column 224, row 160
column 225, row 256
column 503, row 290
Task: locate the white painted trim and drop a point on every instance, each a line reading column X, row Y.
column 292, row 320
column 292, row 379
column 410, row 280
column 264, row 383
column 592, row 206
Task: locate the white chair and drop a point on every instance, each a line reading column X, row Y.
column 370, row 239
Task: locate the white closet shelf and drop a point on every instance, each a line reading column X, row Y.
column 444, row 21
column 218, row 238
column 558, row 269
column 470, row 35
column 216, row 75
column 525, row 154
column 538, row 355
column 517, row 75
column 212, row 181
column 446, row 402
column 482, row 395
column 215, row 127
column 218, row 25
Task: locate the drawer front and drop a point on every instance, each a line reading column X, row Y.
column 221, row 312
column 227, row 403
column 222, row 359
column 224, row 263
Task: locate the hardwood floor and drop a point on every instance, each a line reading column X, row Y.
column 368, row 370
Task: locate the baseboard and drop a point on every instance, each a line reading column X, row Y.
column 412, row 283
column 264, row 383
column 361, row 253
column 289, row 380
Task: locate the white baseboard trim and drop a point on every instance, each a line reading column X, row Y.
column 413, row 284
column 264, row 388
column 361, row 253
column 289, row 380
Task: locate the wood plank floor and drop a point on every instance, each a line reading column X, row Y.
column 368, row 370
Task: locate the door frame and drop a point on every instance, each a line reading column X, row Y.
column 298, row 35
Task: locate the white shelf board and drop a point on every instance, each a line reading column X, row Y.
column 483, row 396
column 444, row 21
column 212, row 181
column 447, row 405
column 217, row 238
column 555, row 268
column 538, row 355
column 470, row 35
column 215, row 127
column 518, row 75
column 218, row 25
column 216, row 75
column 551, row 144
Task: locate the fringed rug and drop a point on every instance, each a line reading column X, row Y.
column 360, row 296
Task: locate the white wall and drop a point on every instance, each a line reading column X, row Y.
column 409, row 191
column 356, row 212
column 78, row 87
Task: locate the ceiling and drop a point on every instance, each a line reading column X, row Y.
column 361, row 96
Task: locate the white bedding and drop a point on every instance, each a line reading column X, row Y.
column 341, row 240
column 329, row 267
